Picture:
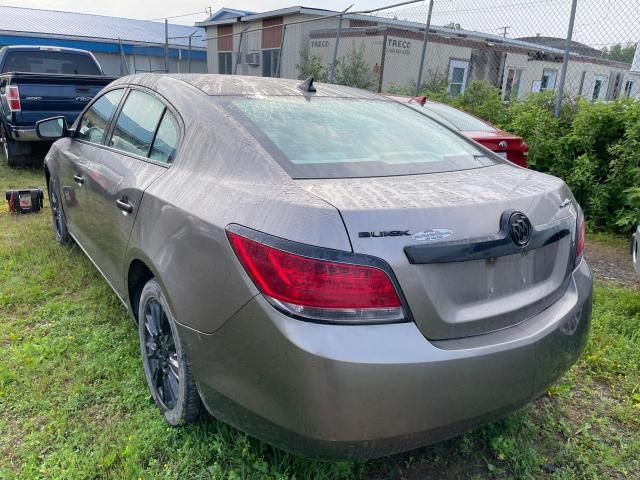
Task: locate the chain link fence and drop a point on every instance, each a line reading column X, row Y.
column 517, row 46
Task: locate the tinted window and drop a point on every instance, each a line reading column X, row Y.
column 336, row 137
column 166, row 141
column 460, row 120
column 225, row 63
column 270, row 59
column 95, row 121
column 137, row 123
column 46, row 61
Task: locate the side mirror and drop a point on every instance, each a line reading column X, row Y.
column 52, row 128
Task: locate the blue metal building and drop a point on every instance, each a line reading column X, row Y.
column 121, row 45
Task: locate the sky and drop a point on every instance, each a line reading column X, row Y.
column 598, row 22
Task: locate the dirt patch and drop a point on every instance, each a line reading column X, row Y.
column 611, row 261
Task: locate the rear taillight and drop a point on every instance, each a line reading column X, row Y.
column 13, row 98
column 318, row 289
column 580, row 240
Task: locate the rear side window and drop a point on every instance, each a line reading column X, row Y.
column 137, row 123
column 166, row 141
column 46, row 61
column 94, row 122
column 322, row 137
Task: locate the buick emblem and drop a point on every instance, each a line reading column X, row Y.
column 503, row 144
column 519, row 228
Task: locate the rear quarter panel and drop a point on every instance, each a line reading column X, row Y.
column 220, row 176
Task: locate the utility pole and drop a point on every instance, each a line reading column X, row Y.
column 505, row 30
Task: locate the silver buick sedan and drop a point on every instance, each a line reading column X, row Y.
column 324, row 268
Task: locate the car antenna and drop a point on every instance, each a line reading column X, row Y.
column 307, row 85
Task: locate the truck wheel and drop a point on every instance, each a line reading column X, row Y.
column 8, row 149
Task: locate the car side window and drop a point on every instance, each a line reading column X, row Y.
column 96, row 119
column 166, row 141
column 137, row 123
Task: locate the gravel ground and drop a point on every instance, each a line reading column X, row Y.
column 611, row 261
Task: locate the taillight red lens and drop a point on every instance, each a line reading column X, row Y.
column 13, row 98
column 580, row 241
column 315, row 288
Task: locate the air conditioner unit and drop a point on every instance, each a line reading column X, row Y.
column 252, row 58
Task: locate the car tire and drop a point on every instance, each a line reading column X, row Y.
column 57, row 214
column 166, row 366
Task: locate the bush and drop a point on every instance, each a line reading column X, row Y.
column 354, row 71
column 311, row 66
column 533, row 120
column 434, row 88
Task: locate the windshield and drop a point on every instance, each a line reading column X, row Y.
column 321, row 137
column 46, row 61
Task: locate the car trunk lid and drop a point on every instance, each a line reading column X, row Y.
column 504, row 144
column 404, row 220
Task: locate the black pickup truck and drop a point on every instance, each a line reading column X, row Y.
column 38, row 83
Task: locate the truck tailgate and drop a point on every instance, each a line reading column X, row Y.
column 48, row 95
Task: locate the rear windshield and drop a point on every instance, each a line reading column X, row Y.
column 46, row 61
column 322, row 137
column 460, row 120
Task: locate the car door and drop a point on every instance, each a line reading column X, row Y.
column 139, row 148
column 90, row 133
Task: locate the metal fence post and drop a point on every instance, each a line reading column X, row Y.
column 565, row 58
column 424, row 49
column 332, row 71
column 189, row 62
column 235, row 68
column 284, row 30
column 382, row 59
column 166, row 45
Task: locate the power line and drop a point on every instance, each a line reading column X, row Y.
column 206, row 11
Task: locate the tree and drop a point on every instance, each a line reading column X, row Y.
column 311, row 66
column 353, row 70
column 619, row 52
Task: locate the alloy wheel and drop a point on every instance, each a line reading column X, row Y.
column 55, row 212
column 160, row 354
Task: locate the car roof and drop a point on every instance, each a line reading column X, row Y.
column 242, row 85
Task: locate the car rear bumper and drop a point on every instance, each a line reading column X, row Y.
column 330, row 391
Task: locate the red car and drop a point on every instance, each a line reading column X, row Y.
column 503, row 143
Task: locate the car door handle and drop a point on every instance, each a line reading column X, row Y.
column 124, row 205
column 79, row 179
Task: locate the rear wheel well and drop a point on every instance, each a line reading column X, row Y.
column 139, row 275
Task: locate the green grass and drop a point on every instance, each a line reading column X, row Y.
column 74, row 403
